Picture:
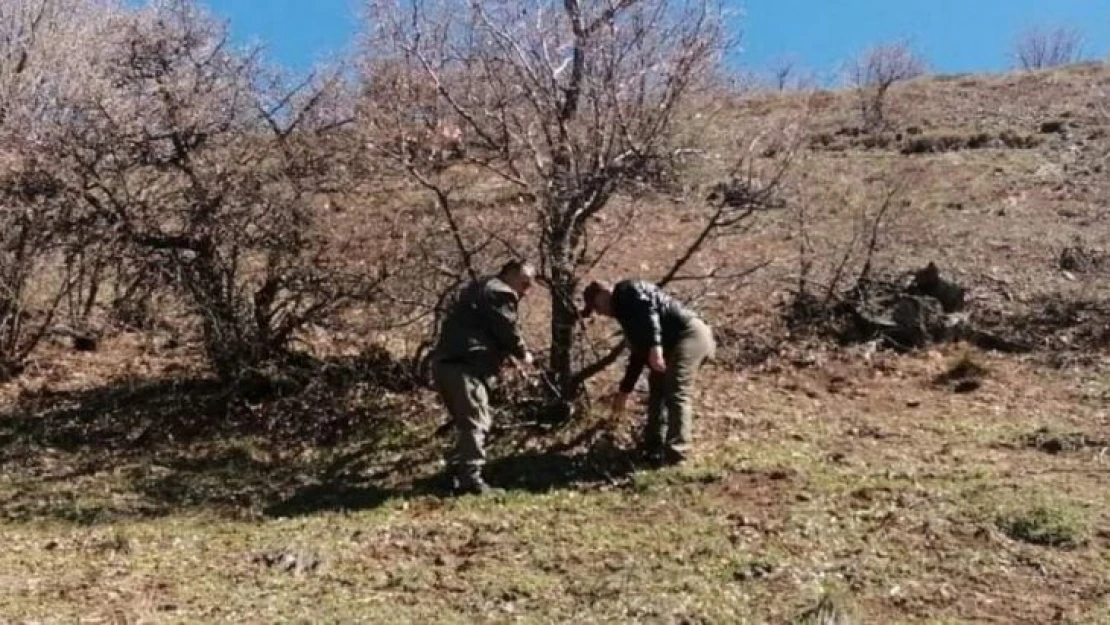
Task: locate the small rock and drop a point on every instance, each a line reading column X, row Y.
column 913, row 403
column 164, row 342
column 1052, row 446
column 85, row 343
column 755, row 571
column 837, row 384
column 1052, row 127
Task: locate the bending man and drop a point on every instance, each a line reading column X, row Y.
column 479, row 333
column 673, row 342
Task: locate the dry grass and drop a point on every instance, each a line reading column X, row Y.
column 125, row 497
column 891, row 491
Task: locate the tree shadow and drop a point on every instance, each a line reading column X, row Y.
column 331, row 497
column 583, row 461
column 146, row 448
column 591, row 457
column 151, row 448
column 540, row 472
column 126, row 416
column 532, row 472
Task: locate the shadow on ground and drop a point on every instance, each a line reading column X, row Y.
column 142, row 448
column 584, row 459
column 340, row 442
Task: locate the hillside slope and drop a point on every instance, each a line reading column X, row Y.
column 940, row 486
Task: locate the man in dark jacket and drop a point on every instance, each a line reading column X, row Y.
column 673, row 342
column 479, row 334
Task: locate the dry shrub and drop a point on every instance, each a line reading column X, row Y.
column 206, row 167
column 44, row 229
column 1038, row 48
column 876, row 71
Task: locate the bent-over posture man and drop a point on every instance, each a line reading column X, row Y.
column 673, row 342
column 478, row 335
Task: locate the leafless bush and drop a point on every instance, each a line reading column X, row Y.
column 786, row 74
column 876, row 71
column 42, row 227
column 33, row 231
column 206, row 168
column 831, row 269
column 1037, row 48
column 782, row 72
column 562, row 105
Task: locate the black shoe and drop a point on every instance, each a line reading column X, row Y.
column 651, row 456
column 672, row 457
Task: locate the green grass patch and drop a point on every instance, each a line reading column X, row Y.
column 1056, row 525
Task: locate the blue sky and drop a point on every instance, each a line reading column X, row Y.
column 954, row 35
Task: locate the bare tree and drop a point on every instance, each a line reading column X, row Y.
column 785, row 74
column 33, row 231
column 43, row 54
column 1037, row 48
column 876, row 71
column 206, row 168
column 567, row 106
column 41, row 226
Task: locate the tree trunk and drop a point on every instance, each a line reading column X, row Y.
column 230, row 350
column 564, row 317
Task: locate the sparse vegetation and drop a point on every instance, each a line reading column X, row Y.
column 786, row 73
column 937, row 144
column 160, row 204
column 1050, row 526
column 875, row 72
column 1040, row 48
column 1050, row 442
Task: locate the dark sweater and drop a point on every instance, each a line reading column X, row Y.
column 649, row 317
column 481, row 327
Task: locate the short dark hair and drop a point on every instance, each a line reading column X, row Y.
column 517, row 266
column 591, row 292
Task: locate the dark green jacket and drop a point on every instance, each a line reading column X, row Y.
column 481, row 328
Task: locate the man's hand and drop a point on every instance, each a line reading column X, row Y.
column 656, row 361
column 620, row 400
column 523, row 366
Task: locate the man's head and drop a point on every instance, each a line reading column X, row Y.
column 598, row 297
column 519, row 275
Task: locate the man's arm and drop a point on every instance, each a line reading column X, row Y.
column 642, row 330
column 501, row 318
column 636, row 362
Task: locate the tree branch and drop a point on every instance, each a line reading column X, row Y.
column 443, row 200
